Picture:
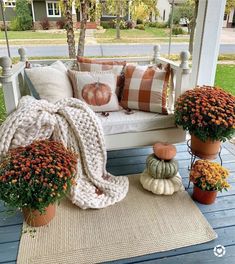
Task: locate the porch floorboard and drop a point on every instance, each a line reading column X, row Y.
column 221, row 215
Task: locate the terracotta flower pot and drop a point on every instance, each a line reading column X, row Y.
column 35, row 219
column 204, row 197
column 204, row 150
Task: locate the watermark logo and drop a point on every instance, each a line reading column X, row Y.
column 219, row 251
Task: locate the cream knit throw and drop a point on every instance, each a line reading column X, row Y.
column 75, row 124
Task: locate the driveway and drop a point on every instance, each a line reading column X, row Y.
column 227, row 36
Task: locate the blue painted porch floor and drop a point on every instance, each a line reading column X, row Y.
column 221, row 215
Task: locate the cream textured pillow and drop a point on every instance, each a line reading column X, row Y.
column 97, row 89
column 49, row 82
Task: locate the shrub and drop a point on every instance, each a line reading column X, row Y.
column 60, row 24
column 161, row 24
column 177, row 31
column 156, row 24
column 45, row 24
column 15, row 25
column 23, row 19
column 99, row 28
column 107, row 24
column 139, row 21
column 140, row 27
column 150, row 24
column 122, row 24
column 130, row 24
column 2, row 28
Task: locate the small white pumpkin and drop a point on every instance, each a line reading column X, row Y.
column 161, row 186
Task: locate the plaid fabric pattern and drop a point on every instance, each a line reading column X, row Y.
column 145, row 88
column 116, row 67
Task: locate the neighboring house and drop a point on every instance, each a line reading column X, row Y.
column 229, row 20
column 9, row 11
column 164, row 9
column 41, row 10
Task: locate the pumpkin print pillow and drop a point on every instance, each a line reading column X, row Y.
column 93, row 65
column 97, row 89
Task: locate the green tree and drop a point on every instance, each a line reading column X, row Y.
column 229, row 5
column 23, row 19
column 117, row 8
column 142, row 9
column 176, row 17
column 188, row 12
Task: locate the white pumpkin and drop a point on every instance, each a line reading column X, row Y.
column 161, row 186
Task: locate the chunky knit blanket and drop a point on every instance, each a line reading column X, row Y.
column 77, row 127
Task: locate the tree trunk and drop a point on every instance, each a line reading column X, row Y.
column 69, row 30
column 193, row 26
column 118, row 20
column 82, row 35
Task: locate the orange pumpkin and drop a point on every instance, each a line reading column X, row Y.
column 96, row 94
column 164, row 151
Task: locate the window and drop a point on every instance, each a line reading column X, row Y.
column 164, row 15
column 9, row 3
column 53, row 9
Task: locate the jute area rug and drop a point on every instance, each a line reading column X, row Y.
column 142, row 223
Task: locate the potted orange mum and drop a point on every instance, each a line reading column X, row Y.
column 208, row 113
column 208, row 178
column 35, row 177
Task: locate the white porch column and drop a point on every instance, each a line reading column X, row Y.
column 207, row 41
column 33, row 14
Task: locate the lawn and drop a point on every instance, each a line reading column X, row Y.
column 34, row 34
column 134, row 33
column 44, row 37
column 2, row 107
column 224, row 78
column 25, row 38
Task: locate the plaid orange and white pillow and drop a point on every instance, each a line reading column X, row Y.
column 145, row 88
column 96, row 65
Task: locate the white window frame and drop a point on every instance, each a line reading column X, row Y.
column 53, row 2
column 9, row 3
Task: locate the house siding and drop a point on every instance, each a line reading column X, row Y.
column 9, row 14
column 40, row 11
column 163, row 5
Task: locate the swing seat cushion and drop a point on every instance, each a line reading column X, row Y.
column 139, row 121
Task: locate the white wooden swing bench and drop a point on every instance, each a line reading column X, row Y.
column 13, row 84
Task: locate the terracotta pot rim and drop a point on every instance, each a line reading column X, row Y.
column 204, row 197
column 204, row 190
column 208, row 139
